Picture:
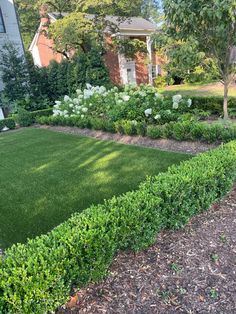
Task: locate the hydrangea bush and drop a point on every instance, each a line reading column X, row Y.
column 135, row 103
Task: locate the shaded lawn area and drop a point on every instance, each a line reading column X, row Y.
column 213, row 89
column 47, row 176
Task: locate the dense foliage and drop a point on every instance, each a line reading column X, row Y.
column 37, row 277
column 141, row 103
column 213, row 25
column 7, row 123
column 31, row 88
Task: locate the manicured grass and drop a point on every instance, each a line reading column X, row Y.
column 47, row 176
column 213, row 89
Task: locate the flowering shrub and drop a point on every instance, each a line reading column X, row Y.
column 140, row 104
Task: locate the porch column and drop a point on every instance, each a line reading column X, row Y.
column 149, row 49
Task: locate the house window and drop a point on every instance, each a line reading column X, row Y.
column 156, row 71
column 2, row 26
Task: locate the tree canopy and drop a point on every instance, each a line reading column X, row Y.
column 212, row 24
column 29, row 10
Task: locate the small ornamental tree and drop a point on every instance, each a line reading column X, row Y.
column 14, row 73
column 212, row 24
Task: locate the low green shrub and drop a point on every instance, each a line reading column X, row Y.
column 24, row 117
column 2, row 125
column 194, row 131
column 37, row 277
column 8, row 123
column 214, row 104
column 155, row 132
column 41, row 113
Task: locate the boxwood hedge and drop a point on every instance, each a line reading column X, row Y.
column 38, row 276
column 8, row 123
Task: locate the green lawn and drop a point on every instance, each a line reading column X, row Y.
column 213, row 89
column 47, row 176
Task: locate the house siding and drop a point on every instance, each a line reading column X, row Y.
column 12, row 33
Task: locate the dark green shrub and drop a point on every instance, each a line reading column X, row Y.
column 10, row 123
column 2, row 125
column 24, row 117
column 154, row 132
column 37, row 277
column 181, row 130
column 41, row 113
column 214, row 104
column 141, row 129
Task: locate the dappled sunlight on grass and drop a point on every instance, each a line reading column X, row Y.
column 47, row 176
column 212, row 89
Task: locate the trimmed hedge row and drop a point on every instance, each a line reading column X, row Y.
column 26, row 118
column 38, row 276
column 194, row 131
column 8, row 123
column 214, row 104
column 186, row 130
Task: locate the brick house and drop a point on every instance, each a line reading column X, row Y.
column 9, row 30
column 142, row 69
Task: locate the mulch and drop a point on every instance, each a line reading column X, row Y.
column 162, row 144
column 191, row 270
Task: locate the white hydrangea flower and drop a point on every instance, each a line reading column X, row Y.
column 82, row 116
column 157, row 117
column 76, row 101
column 78, row 91
column 175, row 105
column 90, row 105
column 58, row 103
column 84, row 109
column 177, row 98
column 126, row 97
column 189, row 102
column 87, row 93
column 88, row 86
column 67, row 98
column 148, row 112
column 71, row 105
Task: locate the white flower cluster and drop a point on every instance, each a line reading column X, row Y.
column 79, row 105
column 177, row 99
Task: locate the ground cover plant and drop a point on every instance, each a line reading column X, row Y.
column 47, row 176
column 37, row 277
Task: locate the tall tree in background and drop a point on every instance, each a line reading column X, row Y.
column 29, row 10
column 212, row 24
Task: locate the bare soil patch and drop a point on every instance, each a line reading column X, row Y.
column 192, row 270
column 162, row 144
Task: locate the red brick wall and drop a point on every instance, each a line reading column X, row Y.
column 141, row 67
column 112, row 63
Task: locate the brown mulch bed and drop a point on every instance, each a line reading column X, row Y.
column 163, row 144
column 192, row 270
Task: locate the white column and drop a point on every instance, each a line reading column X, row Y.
column 149, row 49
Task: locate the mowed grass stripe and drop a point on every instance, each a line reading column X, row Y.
column 46, row 176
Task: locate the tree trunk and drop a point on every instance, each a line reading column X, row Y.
column 226, row 91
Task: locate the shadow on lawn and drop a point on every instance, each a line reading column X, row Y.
column 47, row 176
